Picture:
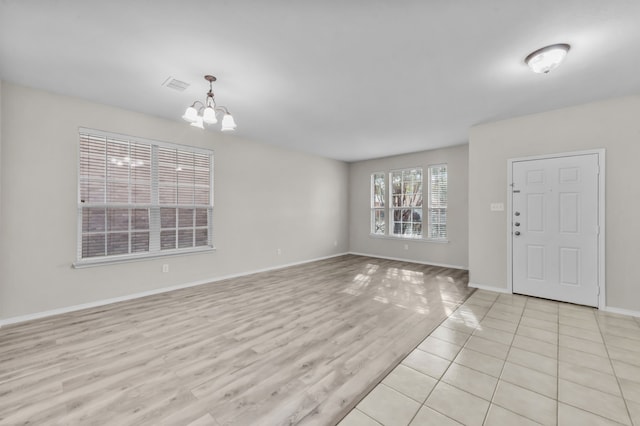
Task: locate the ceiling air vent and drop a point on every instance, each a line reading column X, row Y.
column 175, row 84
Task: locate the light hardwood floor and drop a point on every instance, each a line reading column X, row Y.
column 299, row 345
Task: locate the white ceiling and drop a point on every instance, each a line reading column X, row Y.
column 350, row 79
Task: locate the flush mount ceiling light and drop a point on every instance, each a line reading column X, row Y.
column 200, row 113
column 548, row 58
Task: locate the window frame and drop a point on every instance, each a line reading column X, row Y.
column 153, row 207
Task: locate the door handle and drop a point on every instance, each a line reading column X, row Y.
column 517, row 233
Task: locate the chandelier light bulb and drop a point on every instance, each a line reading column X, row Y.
column 548, row 58
column 228, row 123
column 198, row 123
column 209, row 115
column 190, row 115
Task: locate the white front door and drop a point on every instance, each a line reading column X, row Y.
column 555, row 231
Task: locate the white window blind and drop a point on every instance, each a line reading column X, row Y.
column 406, row 203
column 438, row 202
column 140, row 198
column 378, row 196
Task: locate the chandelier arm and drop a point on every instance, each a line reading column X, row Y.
column 222, row 108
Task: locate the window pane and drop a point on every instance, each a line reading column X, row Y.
column 185, row 238
column 201, row 173
column 117, row 219
column 117, row 192
column 117, row 243
column 167, row 173
column 202, row 237
column 92, row 191
column 438, row 215
column 117, row 160
column 167, row 165
column 201, row 195
column 93, row 245
column 168, row 194
column 202, row 217
column 397, row 221
column 93, row 220
column 378, row 222
column 185, row 169
column 139, row 242
column 140, row 192
column 417, row 197
column 185, row 217
column 396, row 183
column 140, row 219
column 92, row 157
column 185, row 194
column 167, row 240
column 167, row 217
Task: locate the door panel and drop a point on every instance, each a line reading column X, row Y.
column 555, row 228
column 569, row 266
column 535, row 262
column 535, row 212
column 569, row 212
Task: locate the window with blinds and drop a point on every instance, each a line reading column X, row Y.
column 139, row 198
column 438, row 202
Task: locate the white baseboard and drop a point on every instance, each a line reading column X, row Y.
column 489, row 288
column 38, row 315
column 621, row 311
column 444, row 265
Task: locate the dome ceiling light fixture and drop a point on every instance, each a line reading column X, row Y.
column 547, row 58
column 200, row 113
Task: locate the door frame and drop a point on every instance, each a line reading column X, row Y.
column 602, row 293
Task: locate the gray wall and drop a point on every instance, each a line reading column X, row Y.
column 2, row 297
column 453, row 253
column 613, row 125
column 265, row 198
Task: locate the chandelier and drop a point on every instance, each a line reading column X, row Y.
column 200, row 113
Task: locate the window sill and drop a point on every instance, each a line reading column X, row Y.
column 418, row 240
column 112, row 260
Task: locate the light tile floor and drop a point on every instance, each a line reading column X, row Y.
column 514, row 360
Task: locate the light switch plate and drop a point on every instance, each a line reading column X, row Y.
column 497, row 207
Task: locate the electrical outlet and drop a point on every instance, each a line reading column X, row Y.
column 335, row 243
column 406, row 246
column 165, row 267
column 279, row 252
